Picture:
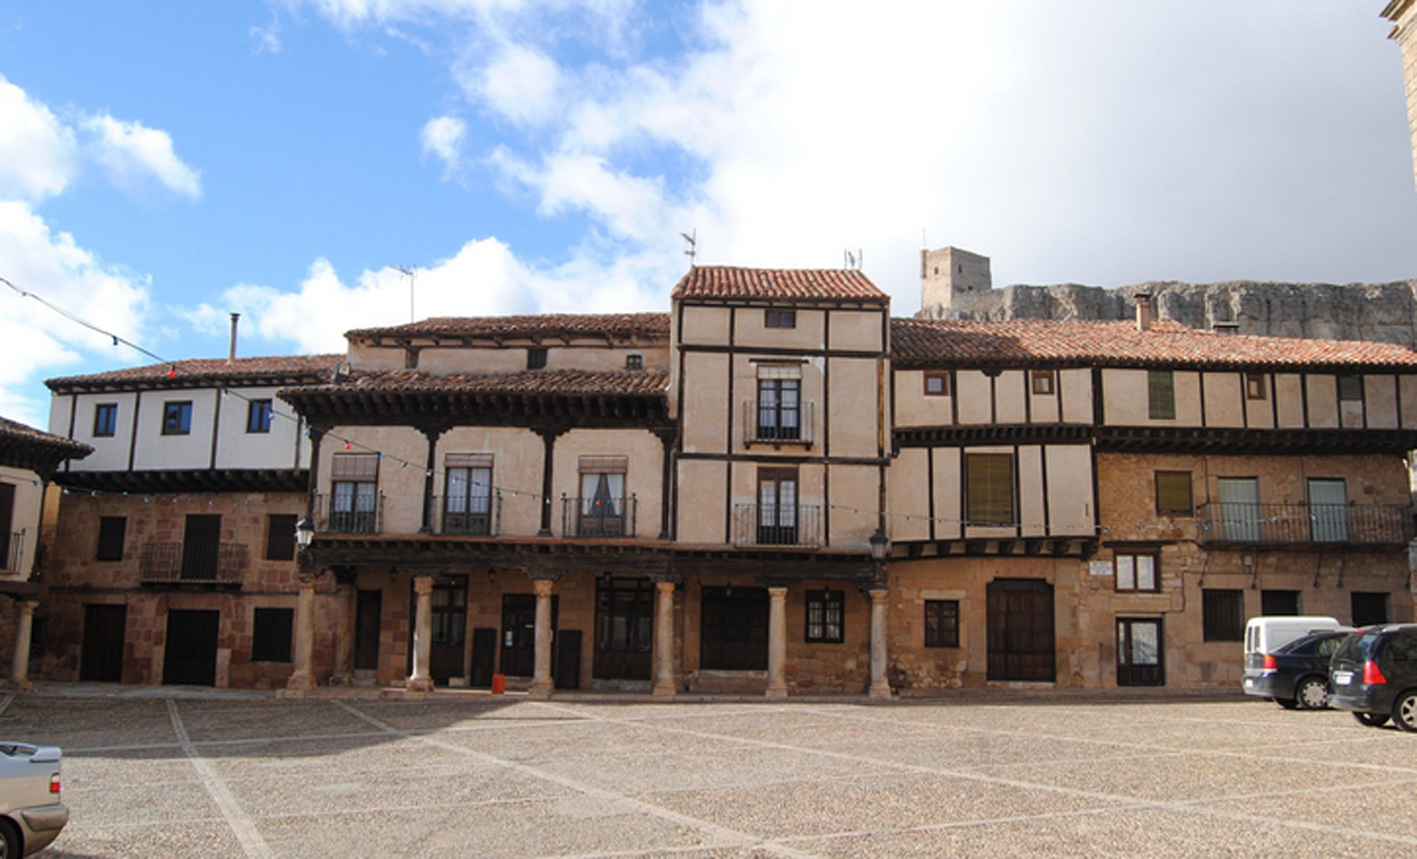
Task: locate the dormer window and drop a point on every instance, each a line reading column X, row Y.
column 634, row 362
column 775, row 317
column 536, row 358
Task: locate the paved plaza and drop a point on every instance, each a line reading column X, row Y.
column 158, row 775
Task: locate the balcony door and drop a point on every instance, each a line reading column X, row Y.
column 201, row 547
column 1328, row 510
column 1240, row 509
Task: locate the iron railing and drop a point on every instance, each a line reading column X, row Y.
column 599, row 517
column 763, row 425
column 349, row 515
column 770, row 525
column 12, row 549
column 469, row 517
column 1279, row 524
column 168, row 563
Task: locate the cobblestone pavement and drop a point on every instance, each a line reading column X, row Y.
column 252, row 776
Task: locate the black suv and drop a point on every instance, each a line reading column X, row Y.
column 1374, row 674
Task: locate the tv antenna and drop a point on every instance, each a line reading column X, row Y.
column 856, row 260
column 412, row 274
column 692, row 239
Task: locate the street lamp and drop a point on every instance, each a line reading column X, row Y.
column 880, row 547
column 304, row 532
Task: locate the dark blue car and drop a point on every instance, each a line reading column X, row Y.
column 1295, row 675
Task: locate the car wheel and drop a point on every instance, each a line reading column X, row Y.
column 1404, row 712
column 9, row 841
column 1372, row 720
column 1287, row 703
column 1312, row 694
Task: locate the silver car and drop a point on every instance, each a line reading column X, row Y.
column 31, row 814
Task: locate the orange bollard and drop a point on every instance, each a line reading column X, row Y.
column 499, row 684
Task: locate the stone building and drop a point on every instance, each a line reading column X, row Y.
column 1403, row 14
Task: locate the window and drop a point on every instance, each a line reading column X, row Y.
column 467, row 507
column 536, row 358
column 937, row 384
column 779, row 408
column 280, row 537
column 1161, row 395
column 776, row 318
column 1350, row 388
column 1255, row 388
column 1137, row 571
column 271, row 634
column 1279, row 603
column 258, row 416
column 1223, row 615
column 825, row 613
column 989, row 488
column 1368, row 608
column 634, row 362
column 105, row 419
column 602, row 502
column 1173, row 493
column 177, row 418
column 111, row 530
column 942, row 623
column 201, row 547
column 354, row 493
column 1043, row 382
column 777, row 506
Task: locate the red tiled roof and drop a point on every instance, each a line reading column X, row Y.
column 810, row 284
column 1167, row 342
column 539, row 325
column 17, row 436
column 279, row 369
column 564, row 382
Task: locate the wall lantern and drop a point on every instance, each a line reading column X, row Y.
column 880, row 546
column 304, row 532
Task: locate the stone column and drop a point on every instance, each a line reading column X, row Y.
column 664, row 640
column 880, row 686
column 304, row 676
column 24, row 624
column 344, row 637
column 541, row 684
column 420, row 682
column 777, row 643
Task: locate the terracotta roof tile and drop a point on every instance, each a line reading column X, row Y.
column 1167, row 342
column 564, row 382
column 279, row 369
column 14, row 433
column 777, row 283
column 540, row 325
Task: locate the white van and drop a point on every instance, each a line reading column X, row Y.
column 1265, row 634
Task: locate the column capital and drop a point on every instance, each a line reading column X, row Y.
column 423, row 584
column 543, row 586
column 27, row 607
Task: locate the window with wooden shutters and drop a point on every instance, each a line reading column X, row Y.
column 1161, row 394
column 280, row 537
column 111, row 531
column 989, row 488
column 1173, row 493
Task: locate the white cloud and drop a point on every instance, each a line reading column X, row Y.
column 443, row 138
column 38, row 153
column 521, row 84
column 133, row 154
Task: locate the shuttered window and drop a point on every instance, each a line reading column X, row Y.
column 1161, row 394
column 989, row 488
column 1173, row 493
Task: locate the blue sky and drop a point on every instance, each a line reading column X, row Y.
column 165, row 163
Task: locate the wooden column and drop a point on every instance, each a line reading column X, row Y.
column 24, row 625
column 304, row 676
column 880, row 686
column 777, row 643
column 421, row 682
column 541, row 684
column 664, row 640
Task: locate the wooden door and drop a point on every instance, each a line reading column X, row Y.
column 1020, row 630
column 1140, row 660
column 102, row 656
column 484, row 657
column 368, row 609
column 624, row 629
column 519, row 633
column 566, row 672
column 190, row 656
column 201, row 546
column 447, row 644
column 734, row 629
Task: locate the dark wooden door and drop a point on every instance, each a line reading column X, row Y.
column 7, row 522
column 484, row 657
column 449, row 639
column 566, row 672
column 1020, row 630
column 102, row 656
column 519, row 633
column 624, row 629
column 190, row 656
column 369, row 607
column 201, row 546
column 1140, row 652
column 734, row 627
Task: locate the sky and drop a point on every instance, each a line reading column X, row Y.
column 323, row 165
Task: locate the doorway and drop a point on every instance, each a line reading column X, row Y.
column 102, row 656
column 519, row 632
column 446, row 645
column 190, row 656
column 1020, row 630
column 1139, row 657
column 368, row 607
column 734, row 629
column 624, row 628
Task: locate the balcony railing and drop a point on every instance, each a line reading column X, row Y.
column 1281, row 524
column 777, row 425
column 469, row 517
column 768, row 525
column 599, row 517
column 349, row 515
column 168, row 563
column 12, row 548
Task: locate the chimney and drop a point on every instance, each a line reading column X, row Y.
column 1143, row 311
column 1226, row 327
column 232, row 355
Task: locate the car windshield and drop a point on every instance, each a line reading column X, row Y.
column 1358, row 647
column 1303, row 646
